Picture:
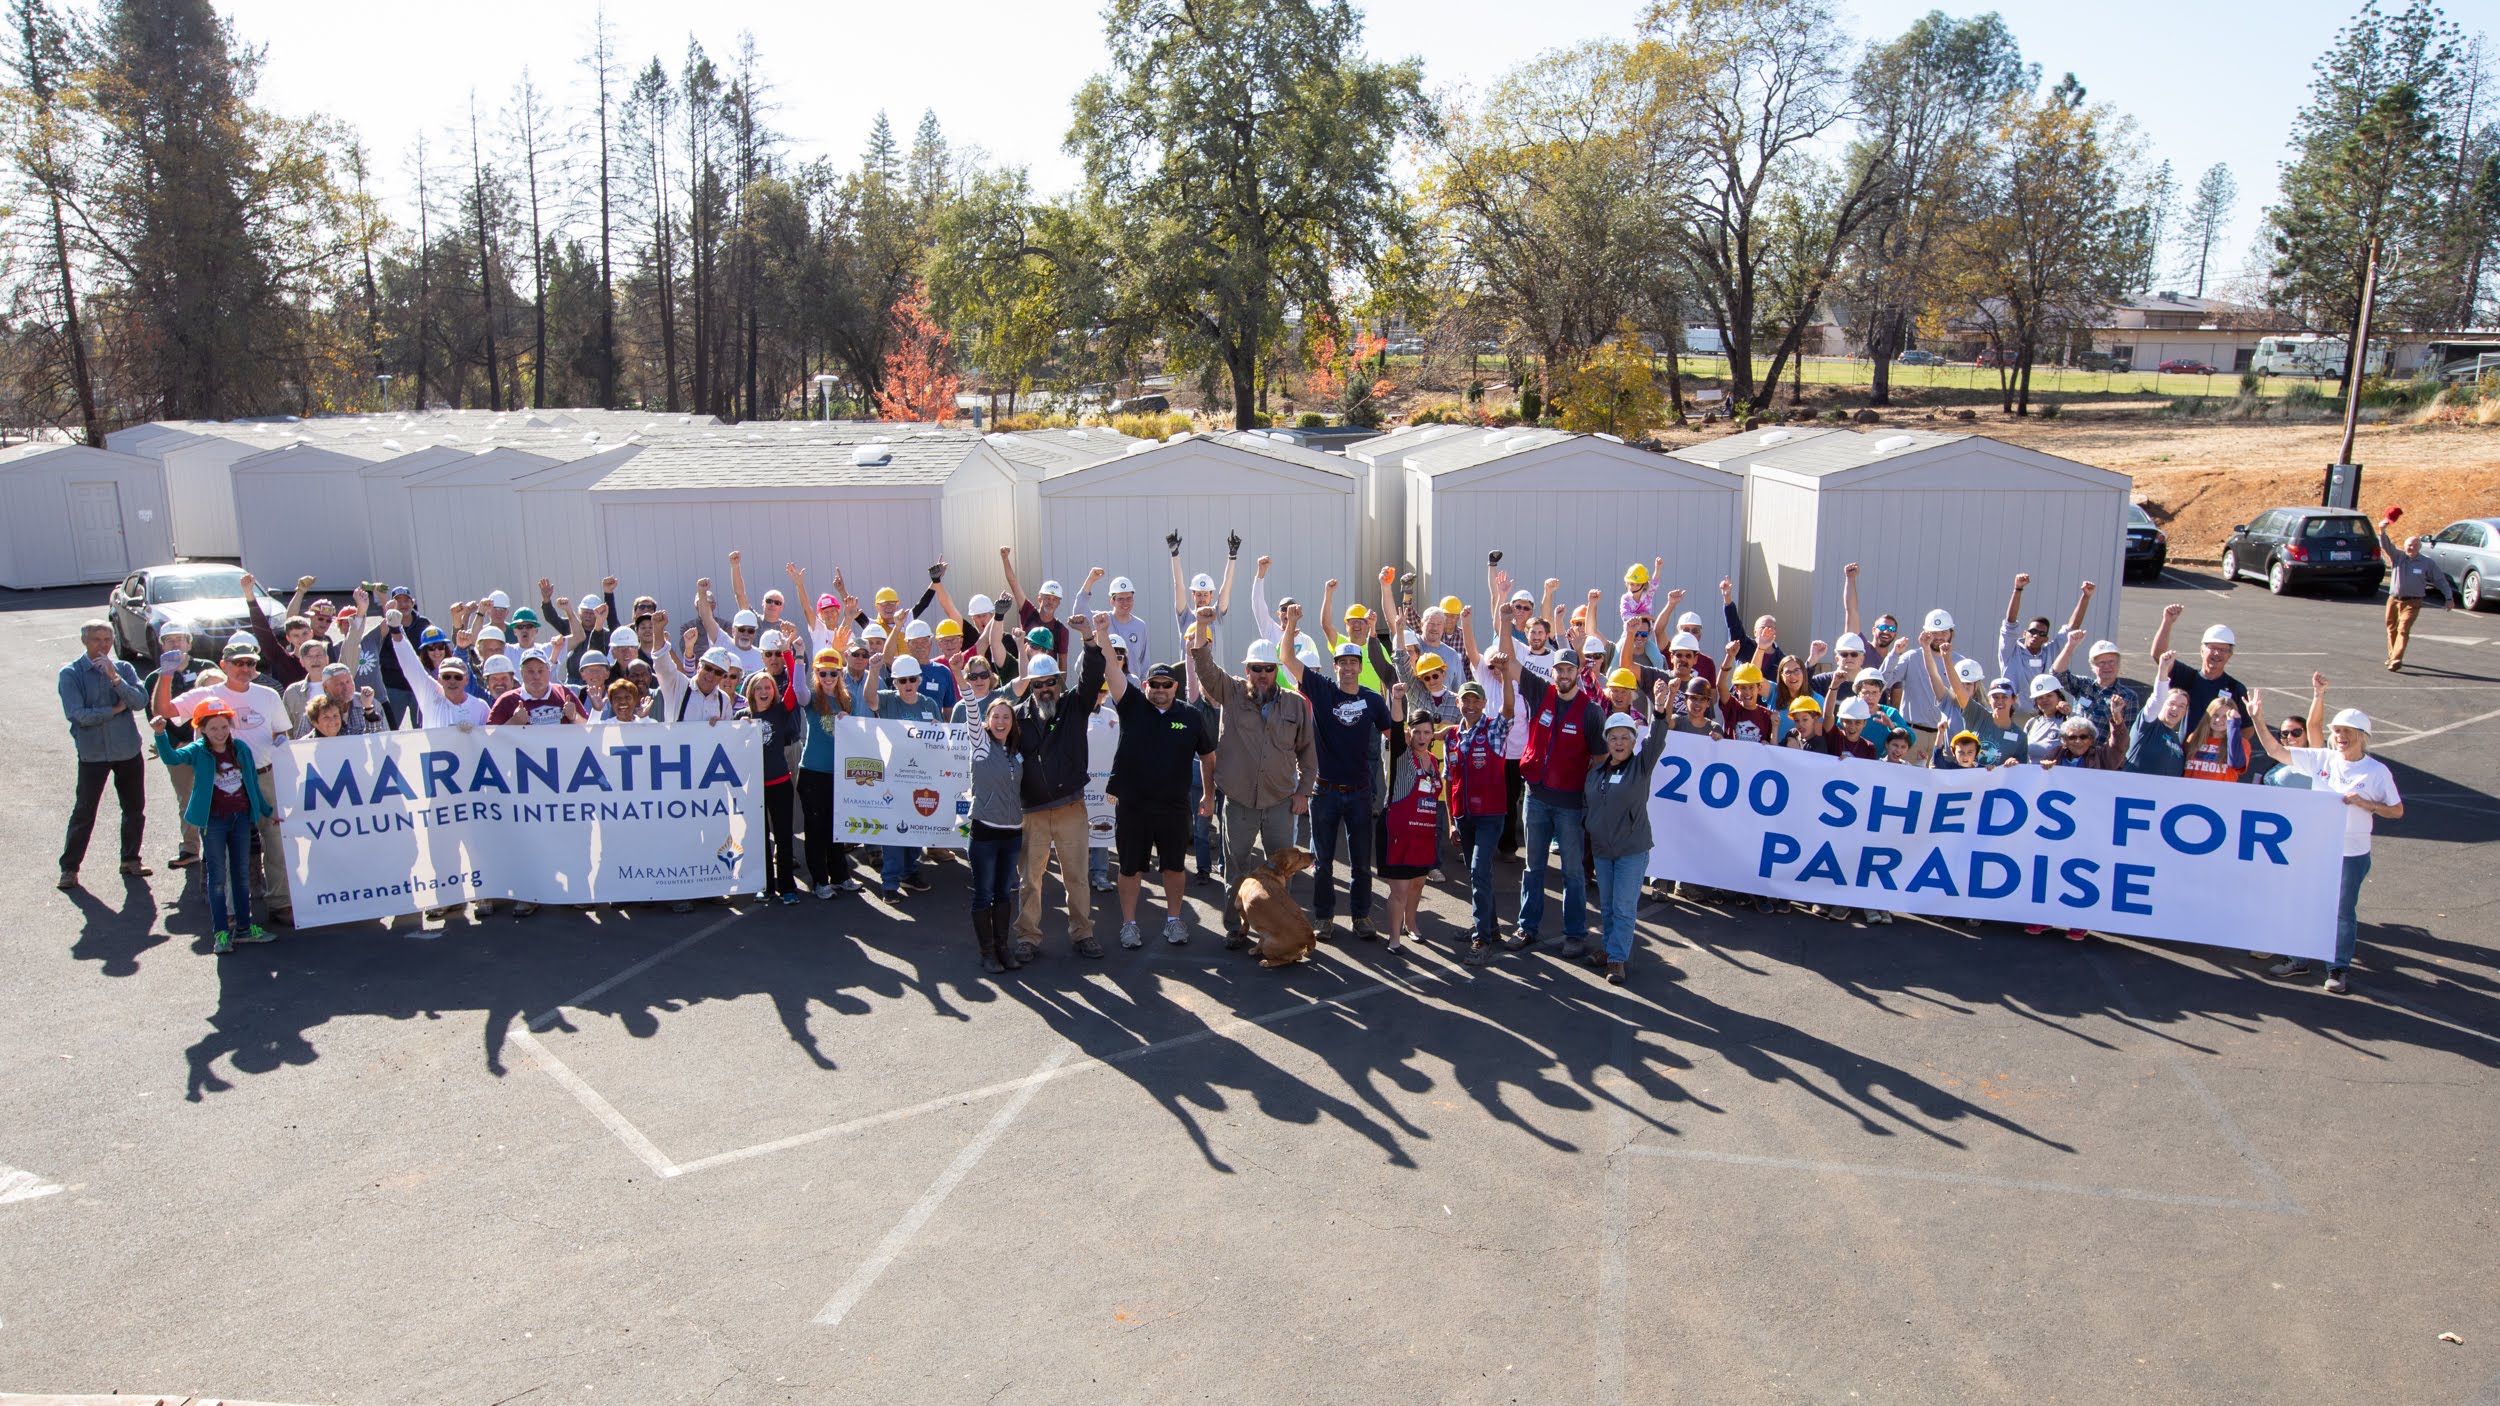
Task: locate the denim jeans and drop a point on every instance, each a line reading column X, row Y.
column 1619, row 898
column 1564, row 828
column 1350, row 811
column 994, row 871
column 397, row 704
column 1201, row 827
column 2348, row 909
column 1478, row 837
column 1098, row 867
column 226, row 867
column 896, row 861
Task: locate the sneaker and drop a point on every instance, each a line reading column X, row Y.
column 790, row 899
column 2336, row 985
column 1027, row 949
column 1478, row 953
column 1574, row 947
column 1364, row 930
column 1434, row 877
column 1765, row 906
column 2077, row 934
column 1518, row 941
column 2290, row 966
column 2034, row 929
column 254, row 933
column 825, row 891
column 681, row 906
column 1878, row 915
column 849, row 884
column 1105, row 885
column 1176, row 932
column 523, row 910
column 916, row 881
column 890, row 894
column 1087, row 947
column 222, row 944
column 182, row 861
column 1614, row 973
column 1130, row 936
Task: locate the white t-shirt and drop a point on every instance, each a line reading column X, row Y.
column 258, row 714
column 2367, row 778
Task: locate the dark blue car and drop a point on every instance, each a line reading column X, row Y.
column 2148, row 547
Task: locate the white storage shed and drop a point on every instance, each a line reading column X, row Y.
column 79, row 516
column 1733, row 452
column 300, row 511
column 465, row 520
column 389, row 532
column 1298, row 506
column 1384, row 492
column 880, row 504
column 1577, row 507
column 1932, row 520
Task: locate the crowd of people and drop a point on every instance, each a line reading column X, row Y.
column 1414, row 739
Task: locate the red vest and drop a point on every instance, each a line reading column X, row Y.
column 1478, row 783
column 1414, row 824
column 1557, row 753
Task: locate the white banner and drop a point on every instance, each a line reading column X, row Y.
column 398, row 822
column 907, row 783
column 2239, row 866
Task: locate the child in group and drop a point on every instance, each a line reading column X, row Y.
column 226, row 806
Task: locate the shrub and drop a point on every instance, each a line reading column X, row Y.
column 1310, row 420
column 1446, row 413
column 1030, row 421
column 2048, row 409
column 1529, row 400
column 2249, row 384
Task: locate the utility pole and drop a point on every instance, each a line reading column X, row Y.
column 2343, row 477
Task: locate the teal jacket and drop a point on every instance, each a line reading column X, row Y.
column 203, row 764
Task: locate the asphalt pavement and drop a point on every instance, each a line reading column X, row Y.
column 810, row 1154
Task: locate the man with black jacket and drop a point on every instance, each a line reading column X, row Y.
column 1051, row 722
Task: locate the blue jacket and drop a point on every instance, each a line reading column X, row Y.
column 203, row 764
column 88, row 694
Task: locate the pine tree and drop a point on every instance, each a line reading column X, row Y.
column 2208, row 214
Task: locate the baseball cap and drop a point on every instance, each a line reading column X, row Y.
column 591, row 658
column 2004, row 686
column 2352, row 718
column 533, row 653
column 1348, row 649
column 334, row 669
column 2101, row 647
column 451, row 665
column 1163, row 671
column 241, row 647
column 1471, row 686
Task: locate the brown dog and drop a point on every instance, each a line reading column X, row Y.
column 1265, row 902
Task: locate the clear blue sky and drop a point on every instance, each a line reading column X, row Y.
column 2206, row 82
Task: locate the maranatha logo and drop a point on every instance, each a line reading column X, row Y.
column 705, row 871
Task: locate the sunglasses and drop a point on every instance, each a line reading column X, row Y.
column 1270, row 668
column 828, row 673
column 1161, row 683
column 984, row 676
column 709, row 669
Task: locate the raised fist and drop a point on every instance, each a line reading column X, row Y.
column 736, row 557
column 2173, row 611
column 1494, row 557
column 546, row 587
column 1172, row 539
column 303, row 583
column 1232, row 544
column 2021, row 579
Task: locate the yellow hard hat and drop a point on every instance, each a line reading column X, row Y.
column 1358, row 612
column 886, row 596
column 1746, row 673
column 1804, row 703
column 1429, row 665
column 950, row 627
column 1624, row 678
column 1638, row 575
column 1451, row 605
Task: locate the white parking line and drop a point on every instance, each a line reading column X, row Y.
column 20, row 1185
column 2434, row 732
column 600, row 1108
column 2059, row 1188
column 900, row 1237
column 547, row 1018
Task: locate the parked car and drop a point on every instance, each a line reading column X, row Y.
column 2148, row 547
column 1143, row 405
column 2291, row 547
column 2104, row 361
column 1990, row 356
column 1916, row 357
column 2469, row 552
column 2184, row 366
column 206, row 597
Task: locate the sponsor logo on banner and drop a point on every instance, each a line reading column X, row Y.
column 913, row 780
column 924, row 801
column 863, row 771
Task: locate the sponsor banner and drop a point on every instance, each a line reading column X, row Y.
column 384, row 823
column 2245, row 867
column 910, row 783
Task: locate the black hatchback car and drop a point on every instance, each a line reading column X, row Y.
column 2148, row 547
column 2292, row 547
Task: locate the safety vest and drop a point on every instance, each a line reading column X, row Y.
column 1478, row 783
column 1414, row 823
column 1557, row 753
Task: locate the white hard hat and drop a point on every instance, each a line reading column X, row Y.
column 1122, row 586
column 1940, row 619
column 1308, row 653
column 918, row 630
column 720, row 659
column 1522, row 598
column 498, row 600
column 873, row 632
column 623, row 637
column 906, row 668
column 1044, row 667
column 491, row 632
column 2101, row 647
column 1689, row 620
column 2221, row 634
column 593, row 657
column 2352, row 718
column 1624, row 721
column 2042, row 685
column 981, row 605
column 769, row 641
column 1050, row 588
column 1850, row 643
column 1855, row 710
column 1968, row 671
column 1866, row 676
column 1260, row 652
column 497, row 664
column 1684, row 639
column 744, row 620
column 1202, row 582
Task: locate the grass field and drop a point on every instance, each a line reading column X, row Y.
column 2045, row 380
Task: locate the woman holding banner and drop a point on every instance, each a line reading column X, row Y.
column 997, row 830
column 2369, row 791
column 778, row 713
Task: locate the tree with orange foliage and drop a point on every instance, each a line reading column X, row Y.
column 1337, row 380
column 920, row 380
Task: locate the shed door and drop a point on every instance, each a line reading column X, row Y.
column 95, row 529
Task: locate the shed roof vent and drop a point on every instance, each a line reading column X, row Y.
column 1610, row 438
column 1771, row 437
column 870, row 455
column 1894, row 444
column 1142, row 446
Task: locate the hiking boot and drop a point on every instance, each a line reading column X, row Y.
column 136, row 868
column 1479, row 953
column 1364, row 930
column 916, row 881
column 1087, row 947
column 69, row 880
column 1614, row 973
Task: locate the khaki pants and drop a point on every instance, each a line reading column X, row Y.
column 272, row 855
column 1061, row 827
column 182, row 776
column 2400, row 613
column 1268, row 827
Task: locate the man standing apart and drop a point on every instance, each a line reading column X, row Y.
column 1269, row 758
column 100, row 696
column 1347, row 720
column 1161, row 735
column 2410, row 576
